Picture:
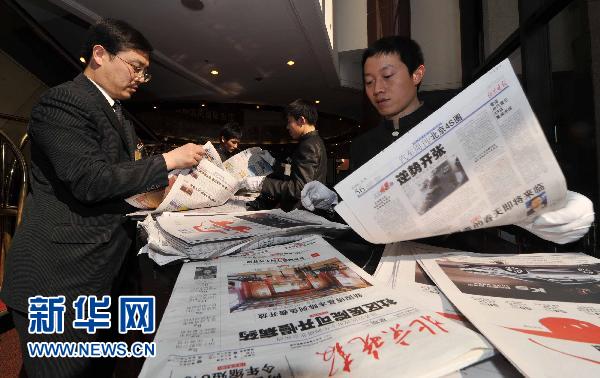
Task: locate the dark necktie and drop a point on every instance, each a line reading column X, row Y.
column 118, row 111
column 123, row 123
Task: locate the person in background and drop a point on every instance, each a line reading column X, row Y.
column 230, row 137
column 393, row 69
column 308, row 162
column 75, row 236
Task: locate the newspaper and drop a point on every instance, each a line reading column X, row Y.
column 211, row 183
column 197, row 236
column 398, row 269
column 479, row 161
column 204, row 186
column 211, row 154
column 235, row 204
column 541, row 311
column 247, row 163
column 300, row 310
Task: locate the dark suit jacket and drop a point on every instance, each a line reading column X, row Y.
column 309, row 163
column 73, row 238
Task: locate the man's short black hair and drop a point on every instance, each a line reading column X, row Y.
column 301, row 108
column 407, row 49
column 115, row 36
column 231, row 130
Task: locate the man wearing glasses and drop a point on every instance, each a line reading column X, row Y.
column 74, row 236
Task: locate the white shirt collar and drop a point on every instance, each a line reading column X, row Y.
column 111, row 102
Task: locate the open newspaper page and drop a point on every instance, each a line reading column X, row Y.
column 153, row 199
column 212, row 155
column 204, row 186
column 481, row 160
column 247, row 163
column 300, row 310
column 398, row 269
column 542, row 311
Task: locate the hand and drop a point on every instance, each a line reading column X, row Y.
column 316, row 195
column 254, row 183
column 564, row 225
column 266, row 156
column 186, row 156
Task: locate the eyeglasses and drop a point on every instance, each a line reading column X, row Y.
column 140, row 72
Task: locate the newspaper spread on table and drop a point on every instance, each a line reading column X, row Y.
column 398, row 269
column 211, row 183
column 542, row 311
column 301, row 310
column 197, row 236
column 481, row 160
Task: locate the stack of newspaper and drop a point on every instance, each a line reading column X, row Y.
column 301, row 310
column 192, row 235
column 211, row 183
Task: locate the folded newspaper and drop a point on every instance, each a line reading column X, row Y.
column 211, row 183
column 481, row 160
column 542, row 311
column 301, row 310
column 174, row 236
column 398, row 269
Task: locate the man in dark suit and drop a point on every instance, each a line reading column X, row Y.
column 74, row 235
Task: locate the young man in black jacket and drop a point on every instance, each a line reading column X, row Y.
column 393, row 68
column 309, row 162
column 230, row 137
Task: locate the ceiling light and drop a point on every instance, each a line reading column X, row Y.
column 317, row 101
column 155, row 107
column 290, row 63
column 214, row 72
column 257, row 106
column 340, row 118
column 203, row 105
column 82, row 59
column 194, row 5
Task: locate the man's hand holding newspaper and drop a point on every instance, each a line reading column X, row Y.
column 210, row 183
column 565, row 225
